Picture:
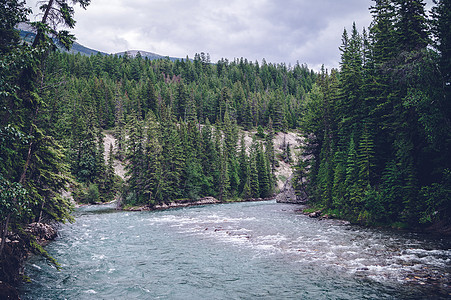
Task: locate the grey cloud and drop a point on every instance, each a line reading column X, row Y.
column 279, row 31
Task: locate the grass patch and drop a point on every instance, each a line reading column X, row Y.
column 282, row 178
column 309, row 210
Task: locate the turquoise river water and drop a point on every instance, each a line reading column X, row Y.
column 250, row 250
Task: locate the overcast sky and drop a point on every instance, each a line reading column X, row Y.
column 308, row 31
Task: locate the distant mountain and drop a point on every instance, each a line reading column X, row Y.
column 76, row 47
column 145, row 54
column 29, row 36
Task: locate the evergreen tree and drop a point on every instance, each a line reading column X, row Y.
column 209, row 159
column 136, row 158
column 269, row 148
column 254, row 184
column 353, row 189
column 230, row 151
column 411, row 25
column 34, row 163
column 223, row 180
column 264, row 175
column 243, row 166
column 173, row 160
column 366, row 158
column 153, row 171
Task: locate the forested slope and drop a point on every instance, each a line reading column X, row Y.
column 378, row 131
column 176, row 124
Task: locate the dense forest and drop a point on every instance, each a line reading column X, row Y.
column 378, row 131
column 178, row 124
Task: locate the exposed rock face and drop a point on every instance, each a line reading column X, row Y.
column 12, row 260
column 17, row 249
column 43, row 232
column 288, row 194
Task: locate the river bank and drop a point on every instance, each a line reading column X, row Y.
column 18, row 248
column 438, row 228
column 189, row 202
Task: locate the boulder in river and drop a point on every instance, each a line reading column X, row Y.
column 315, row 214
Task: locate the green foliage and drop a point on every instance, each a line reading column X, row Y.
column 377, row 134
column 33, row 169
column 436, row 200
column 13, row 190
column 38, row 249
column 93, row 194
column 260, row 133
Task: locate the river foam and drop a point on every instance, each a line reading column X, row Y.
column 231, row 251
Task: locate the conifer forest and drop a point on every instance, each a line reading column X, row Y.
column 376, row 131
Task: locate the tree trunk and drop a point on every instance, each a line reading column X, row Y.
column 4, row 231
column 39, row 34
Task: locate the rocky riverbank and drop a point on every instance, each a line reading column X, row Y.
column 18, row 248
column 174, row 204
column 187, row 203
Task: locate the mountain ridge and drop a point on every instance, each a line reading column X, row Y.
column 78, row 48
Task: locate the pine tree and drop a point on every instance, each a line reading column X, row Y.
column 135, row 159
column 269, row 147
column 173, row 160
column 194, row 177
column 366, row 158
column 351, row 79
column 353, row 191
column 278, row 113
column 325, row 172
column 209, row 159
column 191, row 109
column 339, row 187
column 230, row 151
column 153, row 172
column 223, row 184
column 108, row 182
column 411, row 25
column 264, row 175
column 243, row 165
column 254, row 185
column 181, row 101
column 253, row 176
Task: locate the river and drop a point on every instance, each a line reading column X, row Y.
column 249, row 250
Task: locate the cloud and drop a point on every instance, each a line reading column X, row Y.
column 279, row 31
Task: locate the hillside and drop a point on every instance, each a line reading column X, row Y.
column 284, row 170
column 282, row 173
